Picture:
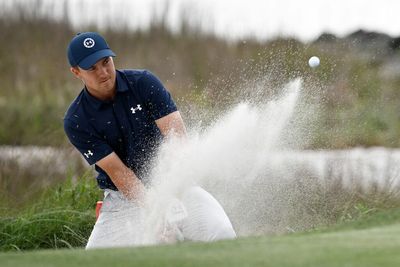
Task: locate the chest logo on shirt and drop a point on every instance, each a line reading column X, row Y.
column 138, row 107
column 88, row 154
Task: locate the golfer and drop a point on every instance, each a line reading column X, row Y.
column 117, row 122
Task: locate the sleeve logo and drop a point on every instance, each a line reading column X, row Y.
column 88, row 154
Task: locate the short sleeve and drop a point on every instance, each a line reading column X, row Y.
column 158, row 99
column 91, row 146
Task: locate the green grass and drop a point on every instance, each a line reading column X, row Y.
column 375, row 246
column 62, row 218
column 371, row 240
column 366, row 235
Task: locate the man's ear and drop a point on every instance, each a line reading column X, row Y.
column 76, row 72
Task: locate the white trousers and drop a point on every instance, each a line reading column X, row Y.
column 122, row 223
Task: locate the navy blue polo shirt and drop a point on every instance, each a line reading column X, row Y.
column 126, row 125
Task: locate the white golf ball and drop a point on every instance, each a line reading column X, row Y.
column 313, row 62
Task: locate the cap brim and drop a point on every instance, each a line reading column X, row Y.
column 89, row 61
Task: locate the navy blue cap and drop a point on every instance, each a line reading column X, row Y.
column 86, row 48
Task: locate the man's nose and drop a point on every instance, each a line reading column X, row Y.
column 102, row 71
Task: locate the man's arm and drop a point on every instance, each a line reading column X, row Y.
column 123, row 178
column 172, row 125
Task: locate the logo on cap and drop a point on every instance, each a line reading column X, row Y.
column 88, row 42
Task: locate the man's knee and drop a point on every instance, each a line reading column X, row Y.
column 207, row 220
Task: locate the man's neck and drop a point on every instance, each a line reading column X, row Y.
column 103, row 96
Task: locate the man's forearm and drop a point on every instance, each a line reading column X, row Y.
column 172, row 124
column 123, row 178
column 129, row 184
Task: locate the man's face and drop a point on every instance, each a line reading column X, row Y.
column 100, row 78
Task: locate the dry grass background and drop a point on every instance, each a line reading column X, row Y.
column 356, row 87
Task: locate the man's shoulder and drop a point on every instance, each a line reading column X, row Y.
column 74, row 110
column 134, row 75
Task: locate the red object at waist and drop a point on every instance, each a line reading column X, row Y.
column 98, row 208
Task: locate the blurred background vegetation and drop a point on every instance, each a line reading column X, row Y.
column 356, row 89
column 357, row 81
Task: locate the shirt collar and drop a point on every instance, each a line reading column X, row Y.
column 121, row 85
column 94, row 102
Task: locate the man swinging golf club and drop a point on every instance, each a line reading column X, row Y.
column 117, row 122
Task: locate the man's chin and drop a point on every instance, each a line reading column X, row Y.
column 109, row 90
column 107, row 85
